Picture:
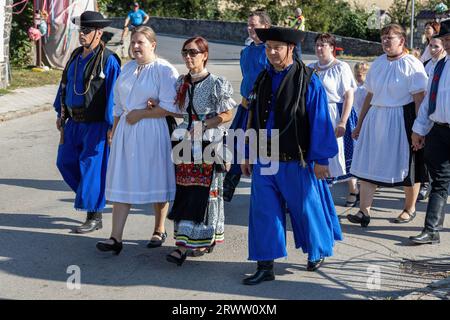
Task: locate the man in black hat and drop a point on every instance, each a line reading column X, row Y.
column 432, row 130
column 289, row 103
column 85, row 100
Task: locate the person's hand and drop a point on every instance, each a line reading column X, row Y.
column 151, row 103
column 109, row 136
column 340, row 130
column 246, row 168
column 418, row 141
column 134, row 116
column 321, row 172
column 58, row 124
column 355, row 133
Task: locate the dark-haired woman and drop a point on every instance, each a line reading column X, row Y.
column 206, row 103
column 431, row 28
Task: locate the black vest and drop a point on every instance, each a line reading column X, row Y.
column 95, row 97
column 291, row 118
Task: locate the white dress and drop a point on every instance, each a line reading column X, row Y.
column 382, row 150
column 337, row 80
column 140, row 168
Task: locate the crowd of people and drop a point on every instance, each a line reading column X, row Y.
column 139, row 135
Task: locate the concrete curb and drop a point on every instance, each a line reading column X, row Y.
column 10, row 115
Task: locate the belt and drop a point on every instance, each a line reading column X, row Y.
column 445, row 125
column 77, row 114
column 244, row 103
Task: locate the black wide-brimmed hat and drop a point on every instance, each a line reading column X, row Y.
column 288, row 35
column 445, row 29
column 92, row 19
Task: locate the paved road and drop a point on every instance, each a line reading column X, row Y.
column 36, row 218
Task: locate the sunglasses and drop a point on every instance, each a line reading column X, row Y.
column 86, row 30
column 190, row 52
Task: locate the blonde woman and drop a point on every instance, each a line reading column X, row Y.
column 140, row 170
column 360, row 70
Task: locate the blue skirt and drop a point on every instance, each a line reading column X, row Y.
column 349, row 144
column 314, row 220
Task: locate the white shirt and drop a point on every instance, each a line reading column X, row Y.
column 393, row 83
column 423, row 123
column 337, row 80
column 156, row 80
column 360, row 96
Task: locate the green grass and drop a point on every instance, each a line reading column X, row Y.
column 25, row 78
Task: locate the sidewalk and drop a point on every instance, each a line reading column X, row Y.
column 26, row 101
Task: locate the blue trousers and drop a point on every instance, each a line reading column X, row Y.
column 311, row 208
column 82, row 161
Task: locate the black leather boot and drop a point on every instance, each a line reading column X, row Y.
column 93, row 222
column 434, row 221
column 426, row 237
column 229, row 186
column 263, row 273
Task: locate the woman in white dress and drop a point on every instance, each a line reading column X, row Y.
column 140, row 169
column 337, row 78
column 396, row 85
column 206, row 103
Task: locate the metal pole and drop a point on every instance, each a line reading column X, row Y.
column 412, row 24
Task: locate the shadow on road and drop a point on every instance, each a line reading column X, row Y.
column 47, row 256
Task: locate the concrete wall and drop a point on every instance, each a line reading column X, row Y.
column 236, row 33
column 4, row 63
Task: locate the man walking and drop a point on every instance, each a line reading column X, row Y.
column 135, row 18
column 432, row 131
column 85, row 101
column 253, row 60
column 289, row 101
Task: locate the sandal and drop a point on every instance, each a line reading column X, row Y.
column 410, row 218
column 178, row 261
column 201, row 251
column 352, row 203
column 158, row 242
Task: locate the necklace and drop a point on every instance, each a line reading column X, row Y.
column 197, row 76
column 392, row 58
column 75, row 79
column 325, row 66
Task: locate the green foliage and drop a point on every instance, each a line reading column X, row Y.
column 20, row 44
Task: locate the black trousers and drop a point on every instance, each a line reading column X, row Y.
column 437, row 157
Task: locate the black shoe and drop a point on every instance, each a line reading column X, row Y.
column 363, row 220
column 91, row 224
column 258, row 277
column 424, row 192
column 352, row 203
column 314, row 265
column 426, row 237
column 178, row 261
column 229, row 186
column 159, row 242
column 104, row 246
column 410, row 218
